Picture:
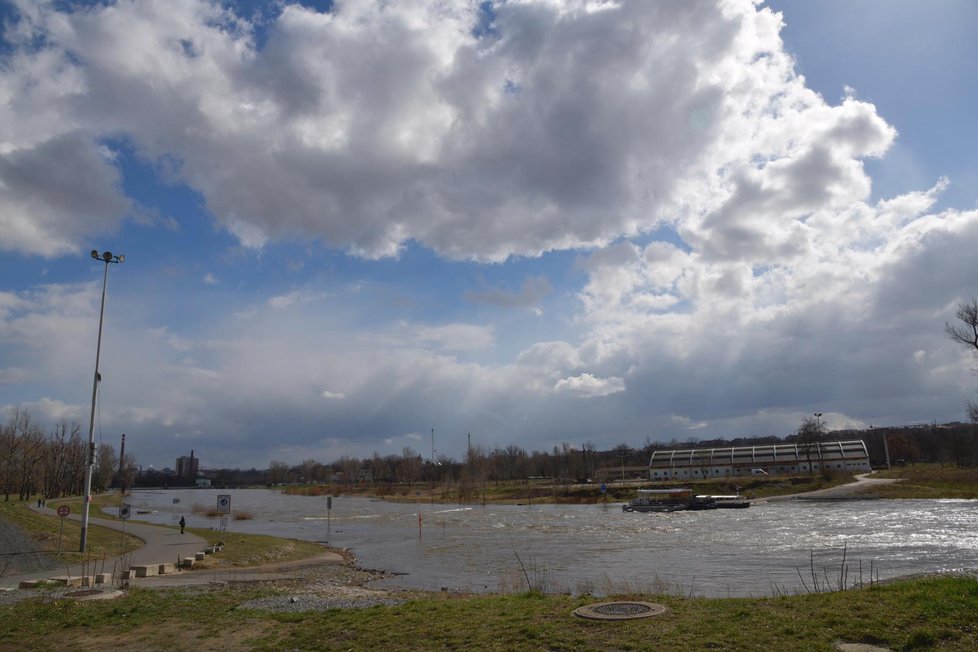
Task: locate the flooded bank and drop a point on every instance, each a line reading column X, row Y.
column 762, row 550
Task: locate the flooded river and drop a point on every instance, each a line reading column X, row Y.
column 598, row 548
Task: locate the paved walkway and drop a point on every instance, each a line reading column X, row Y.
column 859, row 489
column 160, row 545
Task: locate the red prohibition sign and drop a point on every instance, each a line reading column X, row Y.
column 63, row 511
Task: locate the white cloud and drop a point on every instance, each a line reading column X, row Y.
column 376, row 123
column 588, row 386
column 735, row 271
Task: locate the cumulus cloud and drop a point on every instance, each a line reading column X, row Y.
column 379, row 123
column 587, row 386
column 735, row 271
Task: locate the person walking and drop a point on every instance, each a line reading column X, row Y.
column 183, row 524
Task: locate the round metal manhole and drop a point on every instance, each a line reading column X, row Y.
column 619, row 610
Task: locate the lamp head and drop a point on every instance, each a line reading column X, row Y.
column 122, row 258
column 95, row 254
column 107, row 256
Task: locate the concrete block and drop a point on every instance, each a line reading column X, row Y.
column 165, row 569
column 29, row 584
column 146, row 571
column 199, row 556
column 187, row 562
column 65, row 580
column 103, row 578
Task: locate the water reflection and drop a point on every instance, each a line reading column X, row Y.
column 598, row 548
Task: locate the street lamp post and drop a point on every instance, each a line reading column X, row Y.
column 106, row 257
column 818, row 422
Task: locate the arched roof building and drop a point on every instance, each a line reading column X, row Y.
column 773, row 459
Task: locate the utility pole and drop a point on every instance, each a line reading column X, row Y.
column 122, row 457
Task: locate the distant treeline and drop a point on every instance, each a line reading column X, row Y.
column 52, row 463
column 955, row 444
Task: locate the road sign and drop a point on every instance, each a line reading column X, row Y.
column 63, row 511
column 329, row 502
column 224, row 504
column 604, row 488
column 124, row 511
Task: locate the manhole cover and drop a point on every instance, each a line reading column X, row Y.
column 93, row 594
column 619, row 610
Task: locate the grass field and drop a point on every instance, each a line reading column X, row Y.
column 927, row 613
column 930, row 481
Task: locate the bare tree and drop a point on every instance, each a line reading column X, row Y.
column 966, row 334
column 809, row 434
column 106, row 465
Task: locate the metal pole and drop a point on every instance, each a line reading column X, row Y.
column 86, row 498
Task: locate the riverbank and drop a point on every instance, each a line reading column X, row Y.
column 549, row 492
column 317, row 615
column 334, row 606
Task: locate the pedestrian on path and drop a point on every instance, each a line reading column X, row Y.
column 183, row 524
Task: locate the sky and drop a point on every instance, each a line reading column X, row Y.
column 356, row 227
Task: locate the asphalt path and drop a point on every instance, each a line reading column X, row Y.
column 860, row 489
column 160, row 545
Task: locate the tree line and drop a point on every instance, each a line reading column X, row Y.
column 51, row 463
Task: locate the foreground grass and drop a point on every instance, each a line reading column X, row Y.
column 936, row 612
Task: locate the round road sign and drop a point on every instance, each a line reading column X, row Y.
column 63, row 511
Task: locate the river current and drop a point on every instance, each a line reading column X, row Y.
column 768, row 549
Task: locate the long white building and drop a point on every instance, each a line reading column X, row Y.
column 773, row 459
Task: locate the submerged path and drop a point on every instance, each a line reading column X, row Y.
column 860, row 489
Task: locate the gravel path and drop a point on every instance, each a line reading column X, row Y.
column 19, row 554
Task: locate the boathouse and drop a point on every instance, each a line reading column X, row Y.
column 773, row 459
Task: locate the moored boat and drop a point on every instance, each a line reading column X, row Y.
column 733, row 501
column 660, row 500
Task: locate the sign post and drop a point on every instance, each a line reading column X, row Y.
column 329, row 509
column 63, row 511
column 124, row 511
column 224, row 508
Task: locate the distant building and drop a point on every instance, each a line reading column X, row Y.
column 773, row 459
column 188, row 467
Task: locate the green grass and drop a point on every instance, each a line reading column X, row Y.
column 929, row 481
column 242, row 550
column 934, row 612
